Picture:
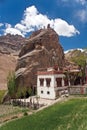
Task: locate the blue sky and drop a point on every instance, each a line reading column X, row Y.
column 67, row 17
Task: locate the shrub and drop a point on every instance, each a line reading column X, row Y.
column 25, row 113
column 2, row 93
column 23, row 92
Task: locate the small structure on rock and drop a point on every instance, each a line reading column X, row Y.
column 50, row 83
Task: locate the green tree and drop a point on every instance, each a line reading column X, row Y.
column 11, row 84
column 30, row 92
column 79, row 60
column 20, row 92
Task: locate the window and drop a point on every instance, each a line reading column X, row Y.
column 42, row 92
column 48, row 80
column 59, row 82
column 41, row 82
column 48, row 92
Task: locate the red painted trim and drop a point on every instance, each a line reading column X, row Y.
column 49, row 72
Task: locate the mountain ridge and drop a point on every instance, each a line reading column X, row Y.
column 10, row 46
column 78, row 56
column 81, row 49
column 11, row 43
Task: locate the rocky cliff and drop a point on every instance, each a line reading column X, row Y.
column 42, row 50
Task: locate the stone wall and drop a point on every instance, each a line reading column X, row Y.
column 80, row 89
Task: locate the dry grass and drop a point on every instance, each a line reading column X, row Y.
column 7, row 109
column 8, row 112
column 2, row 92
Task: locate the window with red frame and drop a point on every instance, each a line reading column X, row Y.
column 41, row 82
column 48, row 80
column 59, row 82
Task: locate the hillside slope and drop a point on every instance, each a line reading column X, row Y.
column 10, row 46
column 68, row 115
column 78, row 56
column 7, row 64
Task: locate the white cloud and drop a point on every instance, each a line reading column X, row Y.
column 82, row 15
column 72, row 2
column 64, row 29
column 11, row 30
column 1, row 24
column 33, row 19
column 7, row 25
column 20, row 27
column 82, row 2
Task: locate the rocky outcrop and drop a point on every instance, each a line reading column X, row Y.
column 42, row 50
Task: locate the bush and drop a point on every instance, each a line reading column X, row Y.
column 23, row 92
column 25, row 113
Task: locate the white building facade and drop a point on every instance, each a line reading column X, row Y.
column 50, row 83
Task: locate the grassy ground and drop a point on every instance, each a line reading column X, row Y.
column 2, row 92
column 69, row 115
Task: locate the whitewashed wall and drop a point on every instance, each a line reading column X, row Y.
column 52, row 89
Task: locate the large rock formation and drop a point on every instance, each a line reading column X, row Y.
column 42, row 50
